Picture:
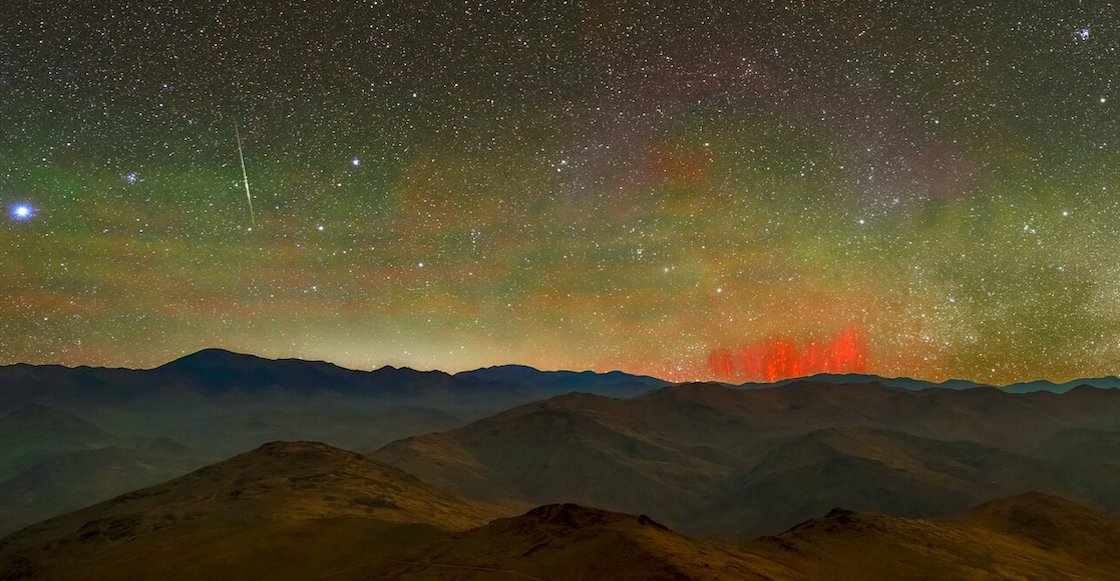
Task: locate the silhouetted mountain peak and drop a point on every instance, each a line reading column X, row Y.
column 221, row 370
column 215, row 357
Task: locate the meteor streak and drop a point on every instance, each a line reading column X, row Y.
column 245, row 177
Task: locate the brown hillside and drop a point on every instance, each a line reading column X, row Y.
column 285, row 510
column 573, row 542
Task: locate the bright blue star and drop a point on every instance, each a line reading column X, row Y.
column 22, row 212
column 355, row 162
column 1083, row 33
column 131, row 177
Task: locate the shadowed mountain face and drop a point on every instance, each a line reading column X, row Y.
column 52, row 462
column 34, row 432
column 281, row 511
column 716, row 461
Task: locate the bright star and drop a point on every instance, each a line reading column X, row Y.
column 355, row 162
column 1083, row 33
column 22, row 212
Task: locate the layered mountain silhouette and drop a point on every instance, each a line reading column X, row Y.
column 223, row 376
column 55, row 455
column 300, row 510
column 513, row 472
column 715, row 461
column 246, row 400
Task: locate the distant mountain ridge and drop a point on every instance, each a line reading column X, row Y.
column 858, row 378
column 217, row 373
column 1106, row 382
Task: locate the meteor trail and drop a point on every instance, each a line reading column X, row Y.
column 244, row 177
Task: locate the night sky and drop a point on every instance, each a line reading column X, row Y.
column 668, row 188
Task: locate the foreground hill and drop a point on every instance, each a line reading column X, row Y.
column 1030, row 536
column 715, row 461
column 568, row 541
column 302, row 510
column 285, row 510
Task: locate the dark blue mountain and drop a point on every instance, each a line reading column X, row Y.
column 614, row 383
column 864, row 378
column 226, row 377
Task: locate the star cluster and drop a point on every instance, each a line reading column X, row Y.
column 566, row 184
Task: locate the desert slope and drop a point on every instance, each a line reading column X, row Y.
column 568, row 541
column 285, row 510
column 1029, row 536
column 305, row 510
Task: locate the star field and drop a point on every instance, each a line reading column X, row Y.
column 566, row 184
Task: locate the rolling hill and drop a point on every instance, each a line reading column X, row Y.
column 1029, row 536
column 285, row 510
column 302, row 510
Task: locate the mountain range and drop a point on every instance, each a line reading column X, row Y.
column 1107, row 382
column 301, row 510
column 222, row 376
column 715, row 461
column 209, row 405
column 511, row 471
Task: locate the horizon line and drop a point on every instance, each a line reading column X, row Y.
column 471, row 369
